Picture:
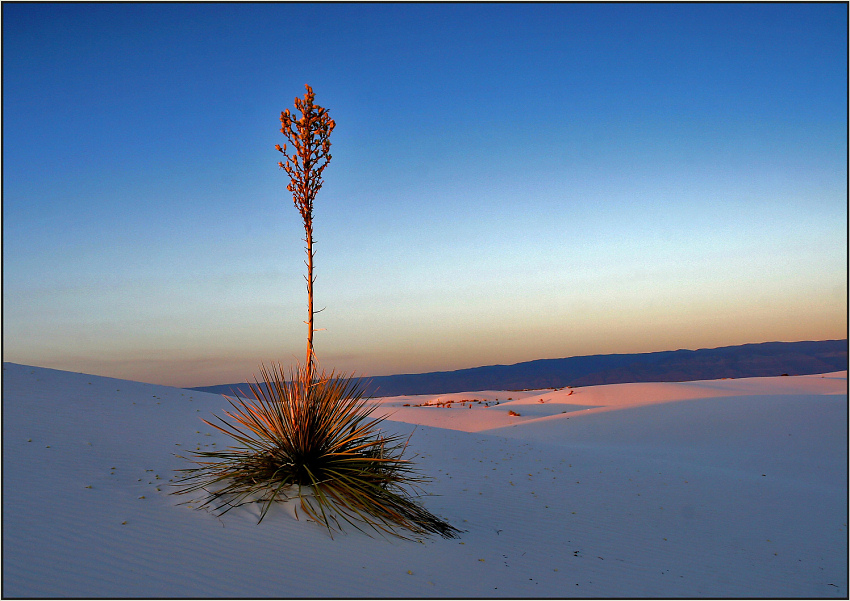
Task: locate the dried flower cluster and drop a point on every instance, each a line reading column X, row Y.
column 310, row 135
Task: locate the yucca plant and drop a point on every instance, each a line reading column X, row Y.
column 311, row 438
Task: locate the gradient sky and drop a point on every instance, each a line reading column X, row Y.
column 509, row 182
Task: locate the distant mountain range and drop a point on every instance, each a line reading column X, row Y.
column 743, row 361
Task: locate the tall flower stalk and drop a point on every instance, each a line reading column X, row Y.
column 310, row 138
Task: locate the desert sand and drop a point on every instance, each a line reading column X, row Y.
column 725, row 488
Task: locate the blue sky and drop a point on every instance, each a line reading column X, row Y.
column 509, row 182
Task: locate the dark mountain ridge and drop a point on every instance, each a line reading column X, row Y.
column 742, row 361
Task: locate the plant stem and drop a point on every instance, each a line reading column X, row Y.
column 308, row 228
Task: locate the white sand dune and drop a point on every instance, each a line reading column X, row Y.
column 727, row 488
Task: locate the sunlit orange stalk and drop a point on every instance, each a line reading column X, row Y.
column 310, row 136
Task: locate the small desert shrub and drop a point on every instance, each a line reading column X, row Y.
column 312, row 438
